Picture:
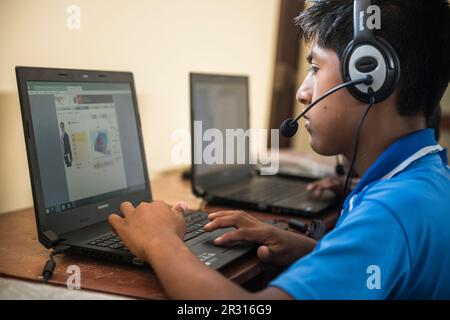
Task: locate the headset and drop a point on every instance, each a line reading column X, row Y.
column 369, row 55
column 370, row 70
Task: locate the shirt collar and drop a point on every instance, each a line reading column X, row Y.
column 395, row 158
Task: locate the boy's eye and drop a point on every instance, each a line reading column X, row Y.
column 313, row 69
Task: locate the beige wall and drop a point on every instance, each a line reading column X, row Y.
column 160, row 41
column 301, row 140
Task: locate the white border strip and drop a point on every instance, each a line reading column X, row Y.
column 419, row 154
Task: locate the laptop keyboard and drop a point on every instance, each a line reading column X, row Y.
column 109, row 240
column 194, row 224
column 194, row 227
column 260, row 193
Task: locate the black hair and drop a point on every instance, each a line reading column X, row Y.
column 434, row 122
column 418, row 30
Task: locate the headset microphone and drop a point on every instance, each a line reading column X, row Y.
column 289, row 127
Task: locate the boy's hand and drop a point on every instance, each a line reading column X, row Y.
column 277, row 246
column 146, row 222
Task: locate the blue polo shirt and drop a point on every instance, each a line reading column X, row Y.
column 392, row 240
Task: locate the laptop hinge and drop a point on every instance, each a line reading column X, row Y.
column 208, row 198
column 199, row 191
column 51, row 238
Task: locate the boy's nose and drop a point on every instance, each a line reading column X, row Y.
column 302, row 98
column 304, row 94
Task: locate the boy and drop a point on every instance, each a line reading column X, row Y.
column 391, row 240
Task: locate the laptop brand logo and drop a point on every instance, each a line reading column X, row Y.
column 103, row 206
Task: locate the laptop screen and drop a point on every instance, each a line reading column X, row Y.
column 219, row 104
column 87, row 142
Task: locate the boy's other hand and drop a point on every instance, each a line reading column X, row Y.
column 277, row 246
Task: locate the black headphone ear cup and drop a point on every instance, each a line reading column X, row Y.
column 393, row 70
column 386, row 74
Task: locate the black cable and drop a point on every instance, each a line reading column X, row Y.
column 315, row 229
column 51, row 263
column 339, row 169
column 355, row 150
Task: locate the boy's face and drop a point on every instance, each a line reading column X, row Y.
column 332, row 122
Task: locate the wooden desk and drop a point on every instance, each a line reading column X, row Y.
column 23, row 257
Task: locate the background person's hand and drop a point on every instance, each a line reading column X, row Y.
column 334, row 183
column 277, row 246
column 148, row 221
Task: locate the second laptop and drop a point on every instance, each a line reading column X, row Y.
column 221, row 102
